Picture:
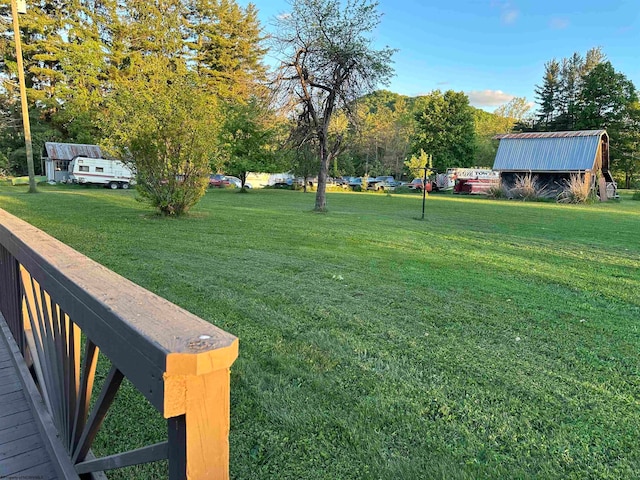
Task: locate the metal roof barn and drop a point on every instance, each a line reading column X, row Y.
column 554, row 158
column 56, row 158
column 549, row 151
column 66, row 151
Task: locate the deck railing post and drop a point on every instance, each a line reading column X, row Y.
column 52, row 295
column 177, row 439
column 198, row 386
column 10, row 296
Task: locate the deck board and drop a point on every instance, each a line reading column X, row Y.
column 22, row 451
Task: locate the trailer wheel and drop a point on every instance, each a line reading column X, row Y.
column 113, row 185
column 125, row 186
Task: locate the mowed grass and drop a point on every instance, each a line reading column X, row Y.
column 494, row 340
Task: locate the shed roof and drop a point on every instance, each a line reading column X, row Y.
column 66, row 151
column 548, row 151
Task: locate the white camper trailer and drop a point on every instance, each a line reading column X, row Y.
column 100, row 171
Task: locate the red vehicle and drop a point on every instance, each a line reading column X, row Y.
column 219, row 181
column 416, row 184
column 478, row 181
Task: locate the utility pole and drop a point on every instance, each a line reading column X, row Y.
column 23, row 93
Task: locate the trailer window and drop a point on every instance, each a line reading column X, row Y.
column 83, row 168
column 99, row 169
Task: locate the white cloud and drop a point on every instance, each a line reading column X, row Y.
column 558, row 23
column 488, row 98
column 510, row 12
column 510, row 16
column 284, row 16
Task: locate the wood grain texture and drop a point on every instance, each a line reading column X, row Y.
column 22, row 445
column 207, row 420
column 178, row 361
column 136, row 329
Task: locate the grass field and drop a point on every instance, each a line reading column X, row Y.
column 494, row 340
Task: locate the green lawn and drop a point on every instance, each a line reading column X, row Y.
column 494, row 340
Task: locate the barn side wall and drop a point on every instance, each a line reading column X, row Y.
column 552, row 184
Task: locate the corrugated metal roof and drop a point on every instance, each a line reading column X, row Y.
column 66, row 151
column 548, row 152
column 575, row 133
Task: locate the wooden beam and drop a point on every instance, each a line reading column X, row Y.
column 198, row 386
column 133, row 327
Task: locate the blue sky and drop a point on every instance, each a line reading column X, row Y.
column 494, row 50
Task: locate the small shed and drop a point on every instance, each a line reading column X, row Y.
column 56, row 158
column 554, row 156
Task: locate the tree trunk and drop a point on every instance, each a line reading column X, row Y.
column 321, row 193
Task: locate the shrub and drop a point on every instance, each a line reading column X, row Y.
column 527, row 188
column 636, row 195
column 497, row 191
column 576, row 190
column 165, row 126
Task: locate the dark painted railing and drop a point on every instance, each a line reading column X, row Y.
column 51, row 296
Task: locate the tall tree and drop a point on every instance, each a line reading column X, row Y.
column 547, row 94
column 570, row 83
column 609, row 100
column 328, row 63
column 559, row 94
column 445, row 129
column 226, row 41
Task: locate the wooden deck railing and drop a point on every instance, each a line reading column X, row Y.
column 52, row 296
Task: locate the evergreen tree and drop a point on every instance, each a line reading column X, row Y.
column 226, row 42
column 570, row 83
column 547, row 94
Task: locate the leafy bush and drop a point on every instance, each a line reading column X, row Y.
column 404, row 189
column 527, row 188
column 636, row 195
column 164, row 125
column 576, row 190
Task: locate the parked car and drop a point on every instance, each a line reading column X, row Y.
column 355, row 182
column 219, row 181
column 382, row 183
column 416, row 184
column 225, row 181
column 236, row 182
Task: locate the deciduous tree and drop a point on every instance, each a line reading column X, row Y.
column 445, row 129
column 328, row 62
column 248, row 139
column 609, row 100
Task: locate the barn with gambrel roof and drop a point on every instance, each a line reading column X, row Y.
column 554, row 156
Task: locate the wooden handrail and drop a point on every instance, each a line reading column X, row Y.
column 178, row 361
